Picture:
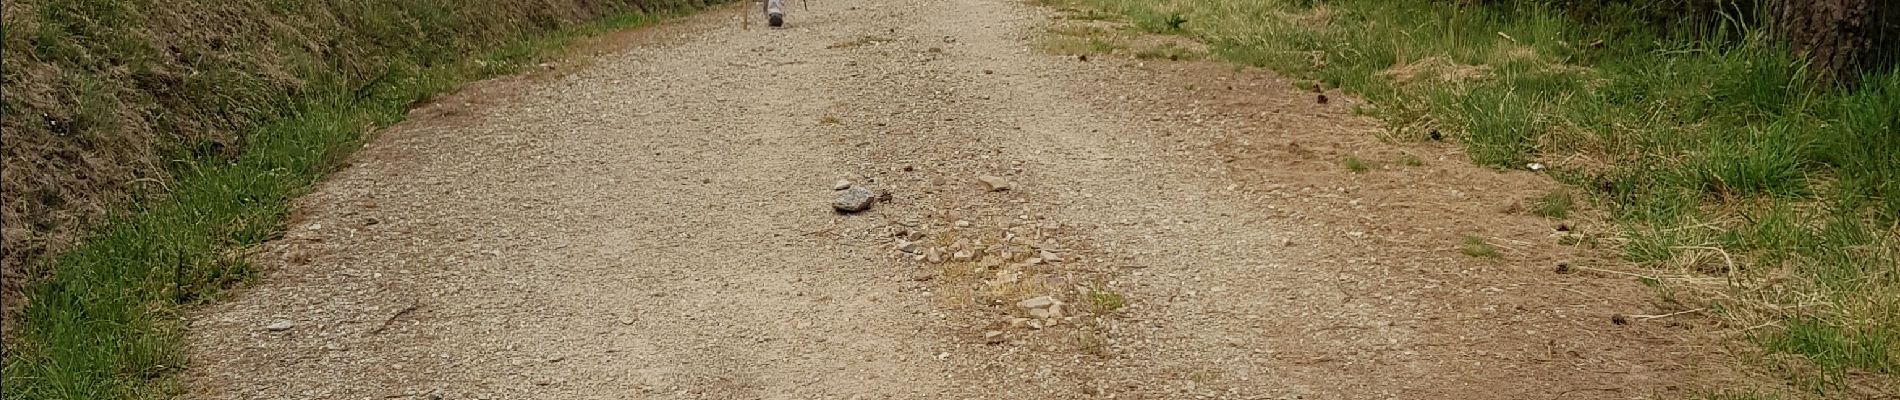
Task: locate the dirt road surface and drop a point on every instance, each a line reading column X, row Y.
column 656, row 223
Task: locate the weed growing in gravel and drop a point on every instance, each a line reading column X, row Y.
column 1105, row 300
column 1477, row 247
column 1356, row 165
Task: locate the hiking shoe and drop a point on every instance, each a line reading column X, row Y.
column 775, row 12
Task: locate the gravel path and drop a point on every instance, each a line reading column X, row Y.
column 658, row 224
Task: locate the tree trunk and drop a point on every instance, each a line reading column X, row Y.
column 1841, row 39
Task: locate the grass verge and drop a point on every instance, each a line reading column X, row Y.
column 106, row 324
column 1706, row 142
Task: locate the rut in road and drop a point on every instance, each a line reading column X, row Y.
column 655, row 224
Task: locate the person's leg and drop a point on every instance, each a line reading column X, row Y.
column 775, row 12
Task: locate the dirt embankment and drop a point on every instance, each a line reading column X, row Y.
column 105, row 99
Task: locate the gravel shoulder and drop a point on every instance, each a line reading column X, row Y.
column 657, row 222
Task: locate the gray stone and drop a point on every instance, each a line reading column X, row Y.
column 908, row 246
column 280, row 326
column 994, row 183
column 994, row 337
column 1037, row 302
column 853, row 200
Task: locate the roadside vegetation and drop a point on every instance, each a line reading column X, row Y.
column 1737, row 176
column 103, row 319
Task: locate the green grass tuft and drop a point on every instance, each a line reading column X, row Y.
column 1555, row 205
column 1476, row 247
column 1836, row 346
column 1356, row 165
column 1105, row 300
column 1755, row 164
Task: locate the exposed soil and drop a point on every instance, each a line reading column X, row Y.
column 657, row 224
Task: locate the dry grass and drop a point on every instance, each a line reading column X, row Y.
column 1435, row 68
column 1317, row 18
